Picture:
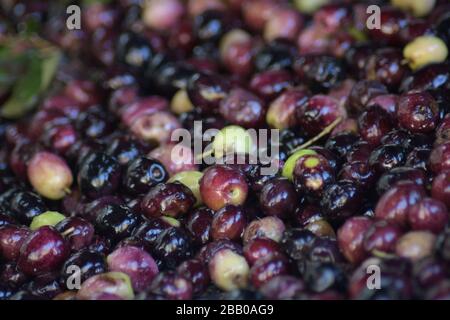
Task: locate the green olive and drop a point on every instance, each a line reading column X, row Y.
column 425, row 50
column 171, row 221
column 232, row 140
column 190, row 179
column 180, row 102
column 309, row 6
column 289, row 165
column 418, row 8
column 48, row 218
column 229, row 270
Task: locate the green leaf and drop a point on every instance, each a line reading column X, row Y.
column 25, row 92
column 30, row 26
column 10, row 67
column 39, row 67
column 49, row 66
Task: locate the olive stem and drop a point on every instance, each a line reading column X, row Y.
column 404, row 62
column 68, row 231
column 324, row 132
column 204, row 154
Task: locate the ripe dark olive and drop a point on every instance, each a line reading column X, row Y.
column 142, row 174
column 99, row 175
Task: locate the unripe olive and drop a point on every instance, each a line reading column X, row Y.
column 425, row 50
